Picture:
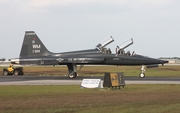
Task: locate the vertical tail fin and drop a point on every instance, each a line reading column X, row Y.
column 32, row 46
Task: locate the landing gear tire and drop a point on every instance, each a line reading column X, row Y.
column 141, row 75
column 73, row 75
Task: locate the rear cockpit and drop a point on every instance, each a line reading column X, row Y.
column 106, row 50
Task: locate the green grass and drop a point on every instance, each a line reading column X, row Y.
column 73, row 99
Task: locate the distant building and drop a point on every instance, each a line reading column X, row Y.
column 174, row 60
column 4, row 63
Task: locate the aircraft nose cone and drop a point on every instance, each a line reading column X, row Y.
column 164, row 61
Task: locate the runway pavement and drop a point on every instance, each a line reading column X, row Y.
column 64, row 80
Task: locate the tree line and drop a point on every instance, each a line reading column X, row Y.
column 2, row 59
column 169, row 58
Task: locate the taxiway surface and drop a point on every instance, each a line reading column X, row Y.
column 64, row 80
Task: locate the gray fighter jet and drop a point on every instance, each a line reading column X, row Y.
column 34, row 52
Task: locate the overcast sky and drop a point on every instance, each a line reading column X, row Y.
column 69, row 25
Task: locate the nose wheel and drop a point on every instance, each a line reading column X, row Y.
column 142, row 75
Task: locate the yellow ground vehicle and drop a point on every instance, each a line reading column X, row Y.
column 13, row 71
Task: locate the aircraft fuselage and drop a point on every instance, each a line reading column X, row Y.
column 88, row 59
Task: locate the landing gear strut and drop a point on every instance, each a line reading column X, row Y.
column 72, row 70
column 142, row 75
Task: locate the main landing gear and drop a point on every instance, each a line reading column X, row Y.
column 72, row 70
column 142, row 75
column 72, row 75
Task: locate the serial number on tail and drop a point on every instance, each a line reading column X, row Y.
column 36, row 51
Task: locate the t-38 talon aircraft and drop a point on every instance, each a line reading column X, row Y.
column 33, row 51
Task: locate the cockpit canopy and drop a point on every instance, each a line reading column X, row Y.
column 119, row 50
column 125, row 44
column 104, row 43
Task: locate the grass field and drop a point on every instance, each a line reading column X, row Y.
column 162, row 71
column 73, row 99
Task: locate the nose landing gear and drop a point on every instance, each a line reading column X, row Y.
column 142, row 75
